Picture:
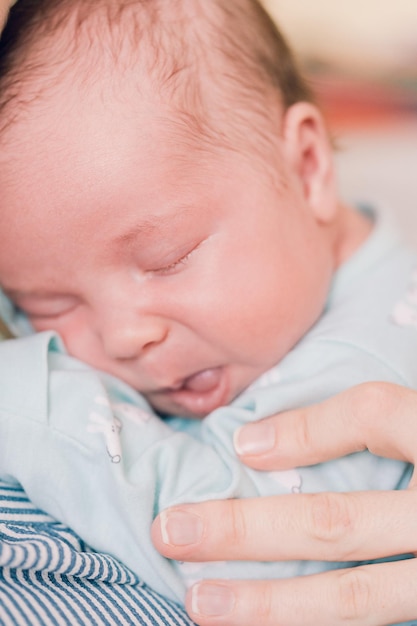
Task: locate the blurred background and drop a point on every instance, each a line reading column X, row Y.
column 361, row 58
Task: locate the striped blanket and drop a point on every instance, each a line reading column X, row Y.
column 49, row 577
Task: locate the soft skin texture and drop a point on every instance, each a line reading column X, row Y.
column 136, row 248
column 384, row 593
column 377, row 523
column 102, row 444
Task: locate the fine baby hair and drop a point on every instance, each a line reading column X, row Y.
column 158, row 136
column 170, row 218
column 192, row 50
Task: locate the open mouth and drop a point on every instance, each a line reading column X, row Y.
column 200, row 393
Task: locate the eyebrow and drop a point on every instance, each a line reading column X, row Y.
column 143, row 229
column 147, row 228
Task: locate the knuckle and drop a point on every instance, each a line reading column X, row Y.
column 236, row 530
column 371, row 404
column 305, row 440
column 264, row 602
column 370, row 399
column 332, row 517
column 354, row 594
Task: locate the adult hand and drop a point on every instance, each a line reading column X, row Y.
column 335, row 527
column 4, row 11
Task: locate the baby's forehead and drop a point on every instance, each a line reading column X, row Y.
column 187, row 51
column 94, row 52
column 170, row 60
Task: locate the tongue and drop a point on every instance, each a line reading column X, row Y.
column 203, row 381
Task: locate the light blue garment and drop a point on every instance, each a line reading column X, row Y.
column 88, row 450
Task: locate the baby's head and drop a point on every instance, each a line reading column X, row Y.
column 168, row 201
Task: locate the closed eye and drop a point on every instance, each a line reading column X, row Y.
column 37, row 315
column 176, row 265
column 38, row 309
column 173, row 266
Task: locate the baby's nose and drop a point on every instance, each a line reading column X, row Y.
column 124, row 339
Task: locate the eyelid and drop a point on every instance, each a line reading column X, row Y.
column 45, row 309
column 169, row 268
column 37, row 315
column 175, row 265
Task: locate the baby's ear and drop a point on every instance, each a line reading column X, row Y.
column 309, row 155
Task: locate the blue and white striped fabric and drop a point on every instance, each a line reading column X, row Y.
column 49, row 577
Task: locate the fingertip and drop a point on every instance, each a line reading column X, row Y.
column 210, row 602
column 255, row 439
column 257, row 445
column 177, row 531
column 157, row 535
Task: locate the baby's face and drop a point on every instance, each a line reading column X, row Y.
column 187, row 273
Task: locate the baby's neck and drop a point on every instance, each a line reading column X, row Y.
column 351, row 230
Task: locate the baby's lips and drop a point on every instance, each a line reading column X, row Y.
column 203, row 381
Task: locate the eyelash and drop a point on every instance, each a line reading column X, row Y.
column 43, row 316
column 175, row 265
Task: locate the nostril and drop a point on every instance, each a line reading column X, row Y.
column 127, row 342
column 131, row 353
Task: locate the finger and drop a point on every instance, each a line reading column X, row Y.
column 370, row 595
column 325, row 526
column 377, row 416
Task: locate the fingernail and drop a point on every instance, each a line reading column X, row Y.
column 212, row 599
column 180, row 528
column 256, row 438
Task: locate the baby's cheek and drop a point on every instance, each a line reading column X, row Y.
column 82, row 345
column 41, row 325
column 76, row 334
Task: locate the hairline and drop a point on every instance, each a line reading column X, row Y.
column 177, row 75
